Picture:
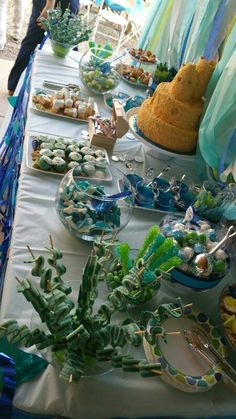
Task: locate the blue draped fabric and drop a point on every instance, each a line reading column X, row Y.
column 7, row 385
column 18, row 414
column 10, row 160
column 211, row 46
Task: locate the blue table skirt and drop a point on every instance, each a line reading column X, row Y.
column 17, row 414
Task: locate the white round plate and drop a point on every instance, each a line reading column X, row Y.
column 137, row 83
column 140, row 61
column 155, row 149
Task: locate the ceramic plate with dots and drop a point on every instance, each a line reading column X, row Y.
column 182, row 367
column 30, row 143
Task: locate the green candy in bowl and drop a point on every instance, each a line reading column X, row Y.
column 97, row 71
column 140, row 270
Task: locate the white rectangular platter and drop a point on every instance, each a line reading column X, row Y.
column 30, row 162
column 46, row 112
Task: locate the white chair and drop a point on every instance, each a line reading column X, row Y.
column 133, row 21
column 108, row 17
column 136, row 21
column 87, row 5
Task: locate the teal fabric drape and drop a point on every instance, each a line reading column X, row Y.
column 220, row 119
column 179, row 31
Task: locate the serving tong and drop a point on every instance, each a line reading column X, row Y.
column 198, row 341
column 54, row 85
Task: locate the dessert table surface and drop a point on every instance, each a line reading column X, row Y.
column 115, row 394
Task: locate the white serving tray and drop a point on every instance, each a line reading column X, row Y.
column 33, row 106
column 30, row 163
column 156, row 210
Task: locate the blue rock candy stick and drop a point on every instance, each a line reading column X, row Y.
column 159, row 240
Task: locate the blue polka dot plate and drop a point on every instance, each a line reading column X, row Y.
column 182, row 367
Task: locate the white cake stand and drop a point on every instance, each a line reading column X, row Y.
column 153, row 148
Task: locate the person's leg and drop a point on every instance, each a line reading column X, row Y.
column 3, row 23
column 73, row 5
column 33, row 37
column 17, row 19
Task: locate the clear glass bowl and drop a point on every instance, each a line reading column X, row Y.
column 60, row 49
column 213, row 201
column 91, row 207
column 98, row 73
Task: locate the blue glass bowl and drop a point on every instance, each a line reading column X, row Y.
column 192, row 281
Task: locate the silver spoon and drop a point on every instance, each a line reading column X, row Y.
column 202, row 264
column 150, row 173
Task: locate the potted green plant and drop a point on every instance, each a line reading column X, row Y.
column 65, row 30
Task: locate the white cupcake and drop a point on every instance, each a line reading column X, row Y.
column 75, row 156
column 88, row 158
column 87, row 151
column 46, row 152
column 59, row 164
column 46, row 145
column 60, row 146
column 59, row 153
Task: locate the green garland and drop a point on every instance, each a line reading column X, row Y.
column 75, row 332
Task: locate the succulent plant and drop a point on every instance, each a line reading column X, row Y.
column 66, row 28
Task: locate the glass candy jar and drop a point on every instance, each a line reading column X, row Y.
column 98, row 72
column 214, row 200
column 89, row 206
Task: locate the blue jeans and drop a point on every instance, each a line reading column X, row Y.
column 33, row 37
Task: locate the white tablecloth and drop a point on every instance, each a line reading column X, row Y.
column 114, row 394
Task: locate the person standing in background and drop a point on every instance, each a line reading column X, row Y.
column 35, row 35
column 17, row 21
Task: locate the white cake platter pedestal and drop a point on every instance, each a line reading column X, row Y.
column 150, row 146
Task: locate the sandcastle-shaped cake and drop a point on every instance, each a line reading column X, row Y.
column 171, row 116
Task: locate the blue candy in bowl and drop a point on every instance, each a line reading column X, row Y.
column 161, row 183
column 91, row 207
column 165, row 200
column 205, row 263
column 134, row 179
column 144, row 196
